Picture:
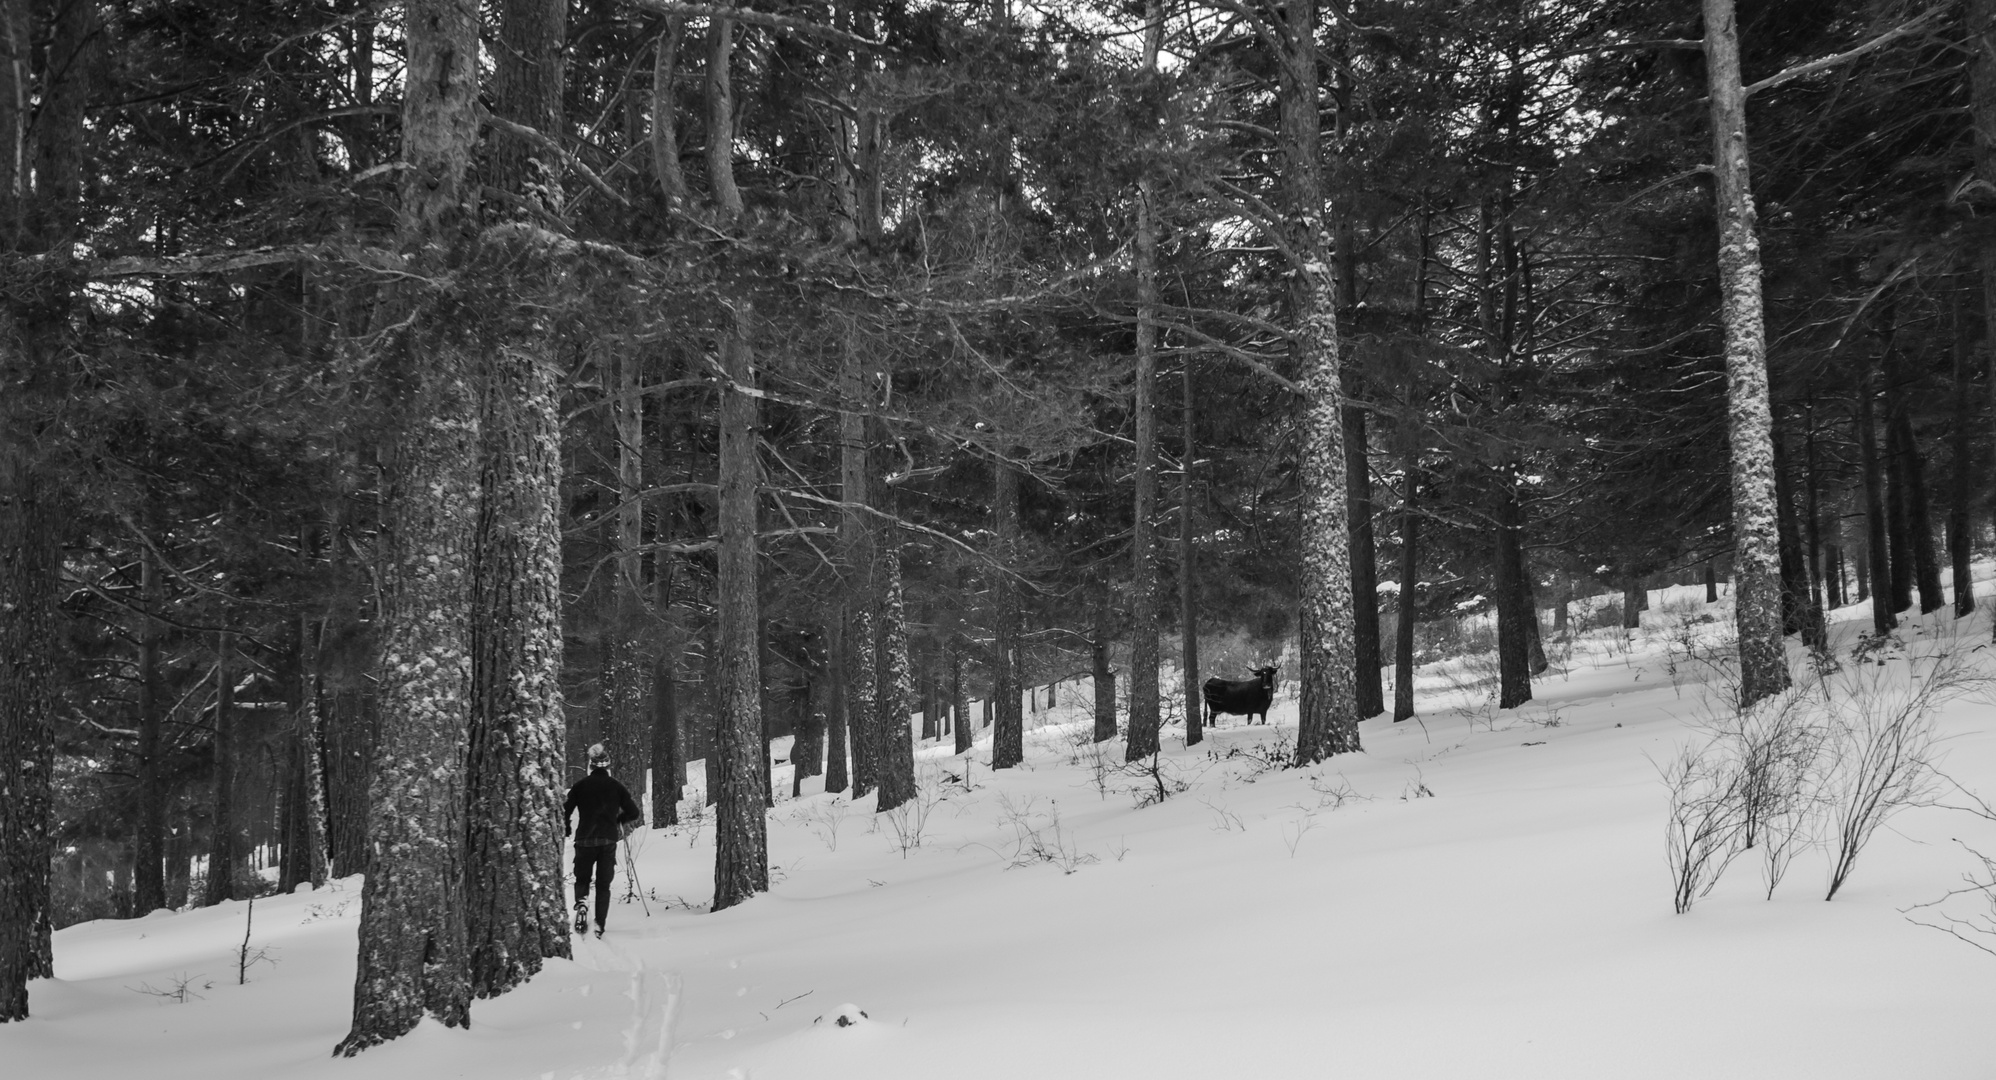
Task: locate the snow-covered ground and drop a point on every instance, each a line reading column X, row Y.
column 1478, row 894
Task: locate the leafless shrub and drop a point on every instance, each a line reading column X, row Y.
column 179, row 989
column 1883, row 743
column 909, row 822
column 824, row 818
column 1978, row 896
column 1703, row 834
column 1039, row 837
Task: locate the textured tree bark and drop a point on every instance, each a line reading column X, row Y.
column 1961, row 496
column 1912, row 472
column 668, row 769
column 1788, row 533
column 1008, row 730
column 857, row 550
column 896, row 692
column 1403, row 624
column 1756, row 558
column 224, row 853
column 1980, row 16
column 741, row 851
column 721, row 188
column 1142, row 739
column 1514, row 606
column 1105, row 676
column 413, row 959
column 629, row 727
column 1632, row 602
column 836, row 704
column 1873, row 571
column 664, row 115
column 959, row 703
column 1328, row 706
column 29, row 562
column 1364, row 568
column 149, row 838
column 517, row 910
column 1815, row 630
column 312, row 752
column 1188, row 569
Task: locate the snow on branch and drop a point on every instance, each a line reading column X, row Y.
column 1902, row 30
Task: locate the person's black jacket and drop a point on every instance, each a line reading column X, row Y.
column 599, row 804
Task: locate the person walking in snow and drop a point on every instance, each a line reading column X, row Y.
column 605, row 813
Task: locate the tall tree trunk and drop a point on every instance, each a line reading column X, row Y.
column 1188, row 593
column 1403, row 624
column 1632, row 602
column 1756, row 555
column 741, row 845
column 224, row 850
column 1961, row 496
column 668, row 769
column 1912, row 471
column 1104, row 674
column 721, row 187
column 29, row 562
column 965, row 729
column 664, row 115
column 312, row 754
column 1980, row 15
column 1514, row 606
column 629, row 727
column 857, row 551
column 1328, row 703
column 1008, row 729
column 148, row 881
column 1364, row 566
column 413, row 958
column 1815, row 630
column 837, row 703
column 1142, row 739
column 1788, row 533
column 33, row 220
column 1875, row 574
column 516, row 909
column 896, row 693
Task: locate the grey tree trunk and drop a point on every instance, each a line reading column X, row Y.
column 965, row 729
column 741, row 845
column 413, row 960
column 664, row 117
column 721, row 187
column 1514, row 606
column 836, row 707
column 1008, row 729
column 224, row 851
column 1980, row 16
column 148, row 880
column 1403, row 623
column 1105, row 676
column 1328, row 705
column 668, row 769
column 1188, row 568
column 29, row 562
column 1364, row 567
column 1142, row 739
column 1919, row 518
column 1961, row 496
column 516, row 910
column 1876, row 574
column 1788, row 534
column 1756, row 558
column 629, row 728
column 896, row 695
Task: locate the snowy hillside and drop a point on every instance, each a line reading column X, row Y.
column 1478, row 894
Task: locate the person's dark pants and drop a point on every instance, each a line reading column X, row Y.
column 602, row 863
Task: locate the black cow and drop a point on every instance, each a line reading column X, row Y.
column 1247, row 697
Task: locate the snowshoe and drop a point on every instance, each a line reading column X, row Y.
column 599, row 933
column 581, row 918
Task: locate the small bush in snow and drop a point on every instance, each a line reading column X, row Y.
column 1706, row 821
